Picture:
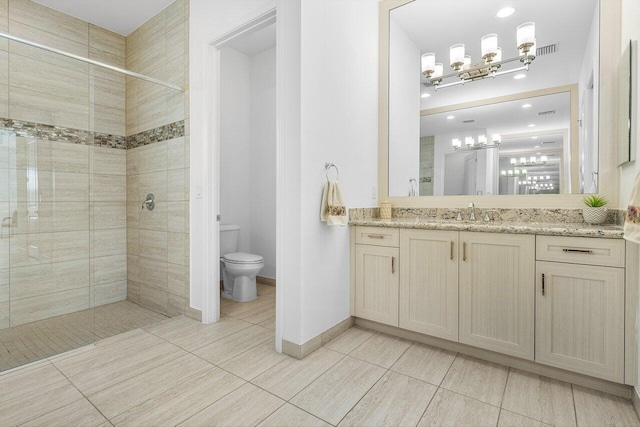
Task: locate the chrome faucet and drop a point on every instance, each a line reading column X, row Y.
column 472, row 216
column 487, row 217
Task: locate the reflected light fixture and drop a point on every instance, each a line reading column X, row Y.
column 526, row 106
column 470, row 144
column 519, row 76
column 466, row 71
column 425, row 95
column 451, row 117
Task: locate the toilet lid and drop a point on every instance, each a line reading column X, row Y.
column 243, row 258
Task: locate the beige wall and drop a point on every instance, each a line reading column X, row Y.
column 158, row 240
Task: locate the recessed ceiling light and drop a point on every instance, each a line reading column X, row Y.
column 526, row 106
column 534, row 137
column 504, row 12
column 519, row 76
column 537, row 146
column 532, row 125
column 425, row 95
column 449, row 117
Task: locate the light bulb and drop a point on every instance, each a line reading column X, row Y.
column 467, row 60
column 548, row 177
column 482, row 139
column 543, row 159
column 524, row 171
column 456, row 55
column 523, row 160
column 514, row 161
column 489, row 46
column 510, row 172
column 503, row 172
column 533, row 159
column 526, row 35
column 439, row 70
column 428, row 63
column 497, row 139
column 498, row 57
column 469, row 141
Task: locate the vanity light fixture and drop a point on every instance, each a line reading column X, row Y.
column 466, row 71
column 482, row 143
column 533, row 161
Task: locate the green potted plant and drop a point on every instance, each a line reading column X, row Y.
column 595, row 210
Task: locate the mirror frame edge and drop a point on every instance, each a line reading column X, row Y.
column 610, row 48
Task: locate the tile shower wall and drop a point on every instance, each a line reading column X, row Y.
column 62, row 205
column 158, row 240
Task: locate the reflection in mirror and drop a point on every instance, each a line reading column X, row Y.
column 443, row 133
column 513, row 147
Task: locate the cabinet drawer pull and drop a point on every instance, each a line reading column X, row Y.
column 578, row 251
column 451, row 254
column 393, row 265
column 464, row 251
column 375, row 236
column 542, row 284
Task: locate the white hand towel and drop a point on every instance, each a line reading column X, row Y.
column 632, row 221
column 333, row 211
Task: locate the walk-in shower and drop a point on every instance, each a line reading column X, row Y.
column 91, row 122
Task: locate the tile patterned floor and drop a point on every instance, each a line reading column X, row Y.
column 181, row 372
column 38, row 340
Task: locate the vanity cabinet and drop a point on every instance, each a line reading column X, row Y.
column 429, row 282
column 580, row 308
column 377, row 275
column 497, row 292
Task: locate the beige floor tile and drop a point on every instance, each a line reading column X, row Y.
column 595, row 408
column 349, row 340
column 269, row 323
column 109, row 365
column 509, row 419
column 254, row 361
column 246, row 406
column 335, row 392
column 191, row 335
column 182, row 401
column 395, row 400
column 38, row 402
column 381, row 350
column 233, row 345
column 540, row 398
column 477, row 379
column 290, row 416
column 19, row 382
column 79, row 413
column 236, row 309
column 259, row 314
column 266, row 289
column 452, row 409
column 291, row 375
column 127, row 394
column 425, row 363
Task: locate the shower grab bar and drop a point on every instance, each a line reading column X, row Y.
column 91, row 61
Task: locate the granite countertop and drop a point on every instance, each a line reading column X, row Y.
column 513, row 227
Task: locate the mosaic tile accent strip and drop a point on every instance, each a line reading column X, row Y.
column 61, row 134
column 159, row 134
column 563, row 216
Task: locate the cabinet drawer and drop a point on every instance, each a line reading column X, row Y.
column 378, row 236
column 581, row 250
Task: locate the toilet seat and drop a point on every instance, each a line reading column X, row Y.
column 242, row 258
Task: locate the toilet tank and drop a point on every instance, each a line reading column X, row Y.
column 229, row 234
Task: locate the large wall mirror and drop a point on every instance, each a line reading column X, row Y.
column 512, row 112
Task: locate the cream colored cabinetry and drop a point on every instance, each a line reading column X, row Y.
column 377, row 276
column 580, row 308
column 429, row 282
column 497, row 292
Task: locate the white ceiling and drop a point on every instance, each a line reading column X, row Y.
column 255, row 41
column 436, row 25
column 120, row 16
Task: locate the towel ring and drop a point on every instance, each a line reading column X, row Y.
column 328, row 166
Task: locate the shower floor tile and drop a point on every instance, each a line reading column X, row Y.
column 45, row 338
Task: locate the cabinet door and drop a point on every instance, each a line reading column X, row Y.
column 429, row 282
column 580, row 319
column 497, row 285
column 377, row 283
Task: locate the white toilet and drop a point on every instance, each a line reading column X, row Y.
column 239, row 269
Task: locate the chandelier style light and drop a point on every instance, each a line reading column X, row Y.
column 465, row 70
column 471, row 144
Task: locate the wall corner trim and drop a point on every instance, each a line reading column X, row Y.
column 300, row 351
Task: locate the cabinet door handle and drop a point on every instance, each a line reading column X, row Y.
column 542, row 284
column 451, row 254
column 393, row 265
column 464, row 251
column 375, row 236
column 578, row 251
